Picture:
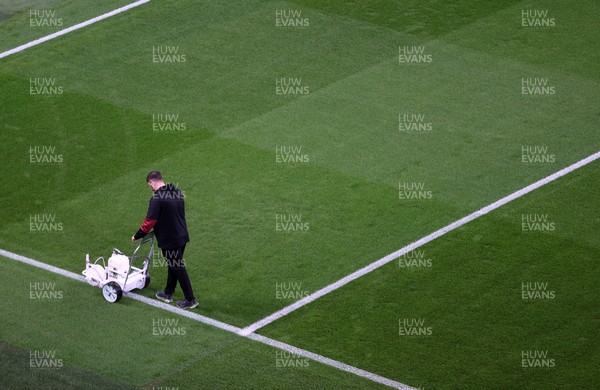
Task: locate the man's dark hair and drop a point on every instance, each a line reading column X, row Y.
column 154, row 175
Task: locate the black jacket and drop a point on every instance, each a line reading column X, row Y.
column 166, row 214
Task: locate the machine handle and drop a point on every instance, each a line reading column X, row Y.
column 147, row 238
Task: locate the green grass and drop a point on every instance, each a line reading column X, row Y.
column 471, row 298
column 225, row 161
column 117, row 346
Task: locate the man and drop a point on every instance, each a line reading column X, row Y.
column 166, row 214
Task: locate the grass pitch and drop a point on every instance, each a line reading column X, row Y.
column 345, row 189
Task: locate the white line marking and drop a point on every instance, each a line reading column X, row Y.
column 220, row 325
column 72, row 28
column 182, row 312
column 329, row 362
column 41, row 265
column 392, row 256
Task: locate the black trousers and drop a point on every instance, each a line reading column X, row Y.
column 177, row 272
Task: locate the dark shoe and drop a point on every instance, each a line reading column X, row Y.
column 164, row 297
column 185, row 304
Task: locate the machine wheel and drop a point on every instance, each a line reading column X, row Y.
column 112, row 292
column 147, row 282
